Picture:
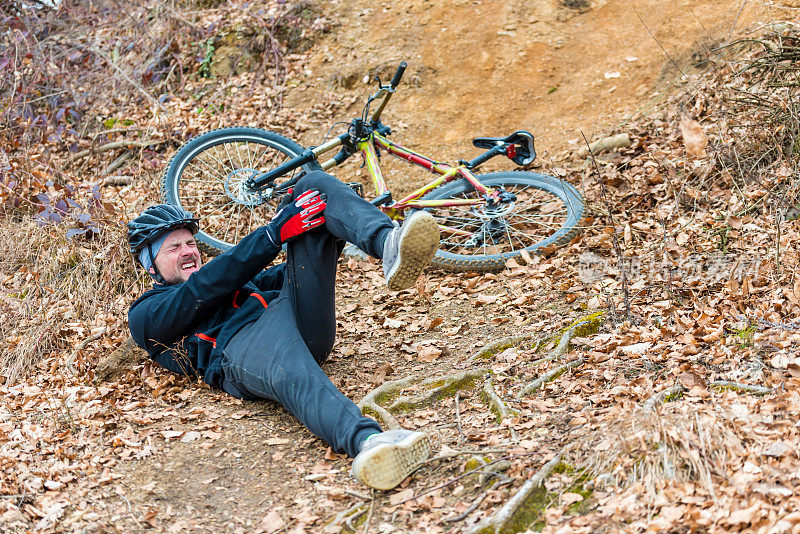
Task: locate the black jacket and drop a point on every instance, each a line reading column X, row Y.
column 185, row 327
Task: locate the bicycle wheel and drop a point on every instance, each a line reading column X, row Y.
column 538, row 211
column 207, row 177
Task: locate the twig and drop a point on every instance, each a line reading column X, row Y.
column 614, row 238
column 456, row 452
column 497, row 521
column 604, row 144
column 83, row 344
column 116, row 181
column 674, row 64
column 661, row 397
column 369, row 514
column 548, row 376
column 727, row 384
column 117, row 163
column 357, row 494
column 477, row 502
column 480, row 469
column 113, row 130
column 126, row 76
column 736, row 20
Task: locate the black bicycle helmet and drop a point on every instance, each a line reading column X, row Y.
column 156, row 220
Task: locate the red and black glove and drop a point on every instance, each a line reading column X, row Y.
column 296, row 217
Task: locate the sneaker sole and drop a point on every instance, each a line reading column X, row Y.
column 389, row 464
column 417, row 246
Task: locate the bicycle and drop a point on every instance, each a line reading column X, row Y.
column 232, row 179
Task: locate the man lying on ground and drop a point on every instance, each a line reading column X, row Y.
column 263, row 334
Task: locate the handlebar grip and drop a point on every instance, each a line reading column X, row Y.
column 399, row 74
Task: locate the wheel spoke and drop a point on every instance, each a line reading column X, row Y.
column 210, row 184
column 214, row 171
column 536, row 214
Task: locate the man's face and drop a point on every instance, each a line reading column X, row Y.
column 178, row 257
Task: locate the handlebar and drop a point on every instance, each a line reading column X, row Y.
column 308, row 155
column 376, row 115
column 398, row 74
column 258, row 181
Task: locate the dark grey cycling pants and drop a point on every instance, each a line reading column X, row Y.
column 278, row 356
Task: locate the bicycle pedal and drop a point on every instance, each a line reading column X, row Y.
column 357, row 187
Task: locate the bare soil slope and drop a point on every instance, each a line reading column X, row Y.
column 554, row 67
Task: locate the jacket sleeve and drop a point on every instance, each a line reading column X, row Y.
column 271, row 279
column 160, row 318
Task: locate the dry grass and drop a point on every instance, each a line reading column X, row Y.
column 763, row 111
column 55, row 290
column 681, row 444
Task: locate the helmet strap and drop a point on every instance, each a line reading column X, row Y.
column 157, row 276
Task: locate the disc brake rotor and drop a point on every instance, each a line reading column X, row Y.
column 237, row 190
column 493, row 224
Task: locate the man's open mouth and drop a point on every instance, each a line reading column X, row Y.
column 188, row 265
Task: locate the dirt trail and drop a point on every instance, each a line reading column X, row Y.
column 489, row 67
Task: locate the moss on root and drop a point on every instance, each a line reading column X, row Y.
column 583, row 326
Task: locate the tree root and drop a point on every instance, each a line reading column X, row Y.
column 496, row 404
column 755, row 390
column 126, row 356
column 498, row 346
column 581, row 327
column 370, row 402
column 346, row 517
column 550, row 375
column 498, row 521
column 661, row 397
column 440, row 386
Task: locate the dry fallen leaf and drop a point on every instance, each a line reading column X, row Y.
column 777, row 449
column 690, row 379
column 436, row 321
column 401, row 496
column 694, row 138
column 569, row 498
column 272, row 522
column 428, row 354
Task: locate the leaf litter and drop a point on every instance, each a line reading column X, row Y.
column 707, row 246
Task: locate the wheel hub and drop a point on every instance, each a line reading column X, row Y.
column 237, row 190
column 493, row 226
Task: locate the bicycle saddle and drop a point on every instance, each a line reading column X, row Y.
column 519, row 146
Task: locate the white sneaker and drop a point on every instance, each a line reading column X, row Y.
column 386, row 459
column 409, row 249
